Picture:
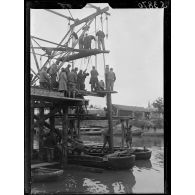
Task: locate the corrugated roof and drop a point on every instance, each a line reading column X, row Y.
column 132, row 108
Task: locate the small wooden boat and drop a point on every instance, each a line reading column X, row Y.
column 45, row 174
column 105, row 162
column 140, row 154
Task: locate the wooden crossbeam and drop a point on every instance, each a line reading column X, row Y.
column 33, row 71
column 53, row 53
column 54, row 12
column 48, row 41
column 98, row 8
column 63, row 49
column 92, row 16
column 35, row 58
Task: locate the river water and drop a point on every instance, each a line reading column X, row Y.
column 144, row 177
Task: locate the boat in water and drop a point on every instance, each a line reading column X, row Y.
column 110, row 161
column 45, row 174
column 140, row 153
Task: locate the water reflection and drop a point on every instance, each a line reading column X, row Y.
column 126, row 181
column 143, row 164
column 111, row 182
column 81, row 182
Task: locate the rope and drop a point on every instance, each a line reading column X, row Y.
column 36, row 42
column 107, row 27
column 101, row 22
column 70, row 14
column 88, row 62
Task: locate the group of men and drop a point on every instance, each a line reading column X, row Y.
column 85, row 40
column 99, row 85
column 72, row 80
column 68, row 81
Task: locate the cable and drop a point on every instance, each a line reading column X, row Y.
column 70, row 14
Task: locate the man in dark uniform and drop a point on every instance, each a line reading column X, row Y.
column 94, row 79
column 100, row 34
column 87, row 41
column 72, row 81
column 67, row 69
column 44, row 79
column 53, row 74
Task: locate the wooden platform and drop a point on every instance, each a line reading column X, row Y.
column 50, row 96
column 95, row 93
column 82, row 54
column 54, row 94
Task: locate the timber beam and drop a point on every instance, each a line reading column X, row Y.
column 97, row 8
column 59, row 14
column 86, row 19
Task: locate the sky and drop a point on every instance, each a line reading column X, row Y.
column 135, row 42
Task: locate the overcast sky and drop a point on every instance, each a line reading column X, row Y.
column 135, row 42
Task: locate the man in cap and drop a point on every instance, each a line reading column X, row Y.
column 72, row 81
column 53, row 73
column 94, row 79
column 67, row 69
column 87, row 41
column 111, row 78
column 44, row 79
column 100, row 34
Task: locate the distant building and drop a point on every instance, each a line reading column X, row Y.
column 132, row 111
column 97, row 112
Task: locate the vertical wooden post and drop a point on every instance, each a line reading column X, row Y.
column 78, row 128
column 32, row 129
column 95, row 47
column 122, row 133
column 41, row 122
column 52, row 121
column 109, row 110
column 64, row 136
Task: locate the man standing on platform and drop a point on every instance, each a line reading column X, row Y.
column 79, row 79
column 67, row 69
column 84, row 76
column 72, row 81
column 87, row 41
column 94, row 79
column 53, row 73
column 81, row 41
column 44, row 79
column 111, row 78
column 100, row 34
column 101, row 85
